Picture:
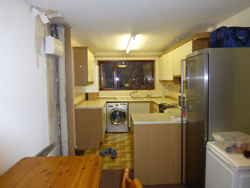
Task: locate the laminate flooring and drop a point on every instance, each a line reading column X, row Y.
column 123, row 145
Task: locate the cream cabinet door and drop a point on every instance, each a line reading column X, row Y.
column 186, row 50
column 170, row 66
column 163, row 67
column 155, row 108
column 104, row 124
column 177, row 61
column 166, row 66
column 160, row 67
column 91, row 67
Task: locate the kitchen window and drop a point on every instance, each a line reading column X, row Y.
column 126, row 75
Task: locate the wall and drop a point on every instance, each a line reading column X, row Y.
column 157, row 92
column 172, row 90
column 241, row 19
column 27, row 107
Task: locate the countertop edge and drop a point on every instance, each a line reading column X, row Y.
column 100, row 103
column 158, row 122
column 89, row 107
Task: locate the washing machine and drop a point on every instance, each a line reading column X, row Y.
column 117, row 116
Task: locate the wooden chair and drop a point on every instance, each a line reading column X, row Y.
column 127, row 182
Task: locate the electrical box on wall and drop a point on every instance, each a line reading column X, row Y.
column 53, row 46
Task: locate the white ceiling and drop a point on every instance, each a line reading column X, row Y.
column 103, row 24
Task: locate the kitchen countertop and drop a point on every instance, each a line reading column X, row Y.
column 100, row 103
column 139, row 118
column 157, row 118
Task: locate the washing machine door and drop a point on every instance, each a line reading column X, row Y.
column 117, row 116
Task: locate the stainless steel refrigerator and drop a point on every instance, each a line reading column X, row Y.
column 218, row 99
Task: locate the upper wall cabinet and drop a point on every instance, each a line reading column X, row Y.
column 84, row 67
column 177, row 65
column 186, row 49
column 166, row 67
column 162, row 65
column 178, row 52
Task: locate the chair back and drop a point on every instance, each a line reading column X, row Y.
column 127, row 182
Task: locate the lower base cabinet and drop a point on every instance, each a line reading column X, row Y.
column 154, row 108
column 138, row 107
column 157, row 153
column 90, row 127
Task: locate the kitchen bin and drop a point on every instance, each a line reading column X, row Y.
column 235, row 142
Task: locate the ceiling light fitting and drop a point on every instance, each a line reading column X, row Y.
column 131, row 43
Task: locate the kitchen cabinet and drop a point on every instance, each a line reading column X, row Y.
column 154, row 108
column 138, row 107
column 186, row 49
column 180, row 53
column 90, row 127
column 84, row 67
column 157, row 148
column 166, row 67
column 177, row 61
column 170, row 65
column 163, row 66
column 172, row 69
column 104, row 124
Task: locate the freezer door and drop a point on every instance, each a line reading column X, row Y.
column 196, row 131
column 229, row 101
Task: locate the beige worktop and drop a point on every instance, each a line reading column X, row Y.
column 156, row 118
column 100, row 103
column 139, row 118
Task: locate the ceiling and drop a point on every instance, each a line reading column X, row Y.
column 105, row 25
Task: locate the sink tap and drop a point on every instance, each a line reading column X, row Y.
column 133, row 92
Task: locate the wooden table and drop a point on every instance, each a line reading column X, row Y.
column 63, row 172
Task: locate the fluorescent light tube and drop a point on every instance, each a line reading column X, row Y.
column 131, row 43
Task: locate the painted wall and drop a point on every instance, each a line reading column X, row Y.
column 157, row 92
column 27, row 122
column 172, row 90
column 241, row 19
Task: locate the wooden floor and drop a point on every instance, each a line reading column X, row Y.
column 122, row 143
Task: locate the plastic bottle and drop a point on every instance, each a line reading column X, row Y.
column 149, row 94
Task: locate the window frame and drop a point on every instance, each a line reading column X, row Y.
column 100, row 62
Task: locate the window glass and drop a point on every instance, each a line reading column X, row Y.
column 127, row 75
column 107, row 76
